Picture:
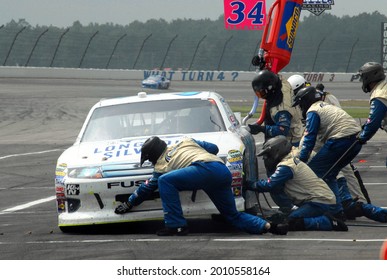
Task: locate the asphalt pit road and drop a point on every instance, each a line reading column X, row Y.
column 196, row 226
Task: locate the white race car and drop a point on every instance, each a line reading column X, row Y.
column 156, row 81
column 102, row 168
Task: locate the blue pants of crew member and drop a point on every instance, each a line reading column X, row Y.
column 343, row 189
column 313, row 215
column 374, row 212
column 328, row 157
column 368, row 210
column 214, row 178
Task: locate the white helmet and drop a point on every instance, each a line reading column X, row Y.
column 297, row 82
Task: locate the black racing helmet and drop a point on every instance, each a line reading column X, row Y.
column 152, row 149
column 371, row 72
column 305, row 97
column 266, row 82
column 274, row 150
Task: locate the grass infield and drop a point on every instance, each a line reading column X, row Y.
column 356, row 108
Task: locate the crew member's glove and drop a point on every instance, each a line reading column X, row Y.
column 360, row 140
column 258, row 61
column 250, row 185
column 123, row 208
column 383, row 125
column 256, row 128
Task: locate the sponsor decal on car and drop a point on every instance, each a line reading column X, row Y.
column 123, row 184
column 115, row 150
column 72, row 189
column 235, row 165
column 234, row 156
column 60, row 170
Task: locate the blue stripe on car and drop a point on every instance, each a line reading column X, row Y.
column 189, row 93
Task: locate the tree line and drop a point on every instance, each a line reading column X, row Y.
column 324, row 43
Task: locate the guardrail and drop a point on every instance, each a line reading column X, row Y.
column 178, row 75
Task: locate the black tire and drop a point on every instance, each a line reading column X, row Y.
column 69, row 229
column 253, row 210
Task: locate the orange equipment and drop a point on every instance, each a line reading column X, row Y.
column 278, row 37
column 383, row 251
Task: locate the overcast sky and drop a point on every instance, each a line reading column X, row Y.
column 62, row 13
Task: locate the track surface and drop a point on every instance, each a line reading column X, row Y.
column 41, row 117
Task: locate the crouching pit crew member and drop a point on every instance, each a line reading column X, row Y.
column 188, row 166
column 316, row 202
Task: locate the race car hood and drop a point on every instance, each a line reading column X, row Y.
column 128, row 150
column 149, row 82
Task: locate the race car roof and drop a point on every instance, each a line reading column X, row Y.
column 144, row 97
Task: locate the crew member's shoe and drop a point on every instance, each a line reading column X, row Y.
column 337, row 224
column 167, row 231
column 279, row 229
column 123, row 208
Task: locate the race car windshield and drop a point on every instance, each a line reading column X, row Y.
column 153, row 118
column 153, row 78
